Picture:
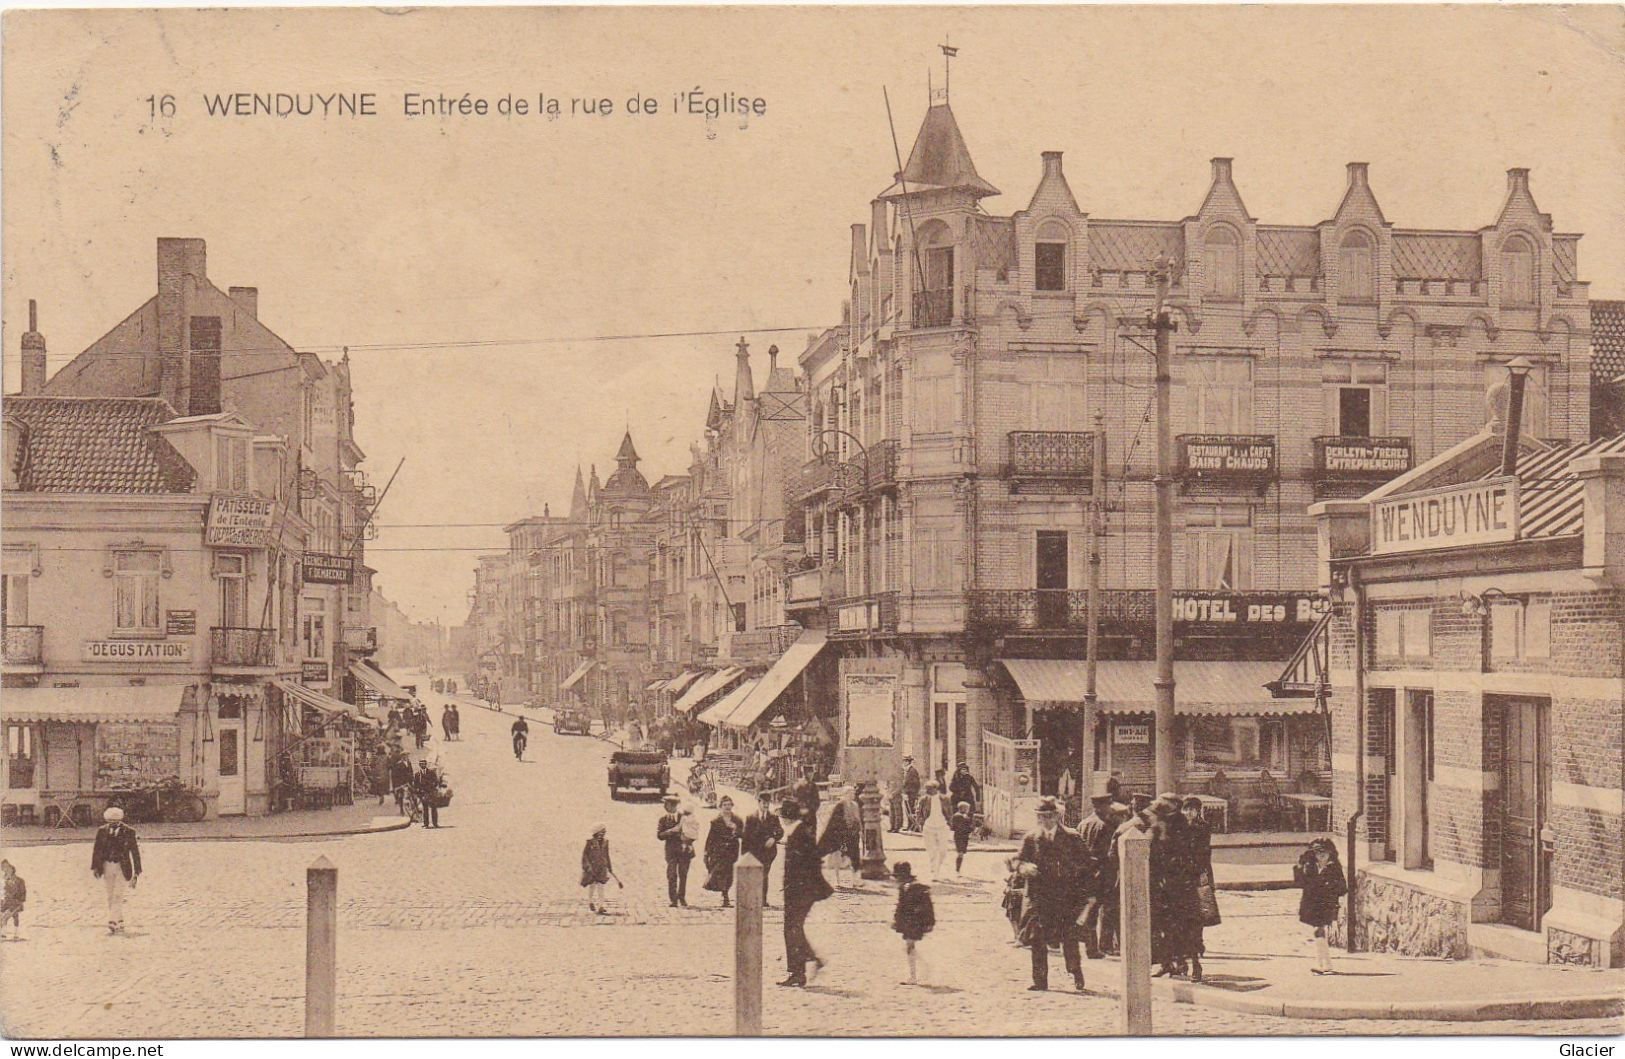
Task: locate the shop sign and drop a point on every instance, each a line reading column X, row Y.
column 238, row 520
column 1227, row 455
column 870, row 700
column 314, row 673
column 323, row 569
column 1131, row 734
column 1248, row 608
column 138, row 651
column 1364, row 457
column 1456, row 516
column 180, row 623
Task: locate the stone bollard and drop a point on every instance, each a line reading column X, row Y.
column 1134, row 930
column 748, row 946
column 321, row 947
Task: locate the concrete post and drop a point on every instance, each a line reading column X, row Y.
column 321, row 947
column 748, row 946
column 1134, row 931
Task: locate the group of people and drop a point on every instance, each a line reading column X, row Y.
column 1063, row 886
column 412, row 717
column 451, row 723
column 423, row 786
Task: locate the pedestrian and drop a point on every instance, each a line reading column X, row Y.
column 804, row 886
column 1199, row 851
column 1052, row 859
column 933, row 814
column 964, row 788
column 427, row 784
column 456, row 722
column 805, row 792
column 671, row 830
column 1015, row 897
column 401, row 779
column 397, row 720
column 1098, row 832
column 722, row 850
column 761, row 839
column 962, row 824
column 1174, row 910
column 16, row 895
column 1321, row 876
column 379, row 773
column 914, row 918
column 596, row 868
column 115, row 858
column 445, row 723
column 911, row 792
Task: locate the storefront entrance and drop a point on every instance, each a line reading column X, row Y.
column 1525, row 782
column 228, row 736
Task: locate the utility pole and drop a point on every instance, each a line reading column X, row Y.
column 1097, row 538
column 1162, row 326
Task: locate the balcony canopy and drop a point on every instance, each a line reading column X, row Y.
column 703, row 689
column 144, row 704
column 718, row 713
column 575, row 678
column 676, row 684
column 767, row 691
column 378, row 682
column 325, row 703
column 1213, row 689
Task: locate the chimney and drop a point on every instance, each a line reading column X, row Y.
column 1517, row 180
column 1221, row 170
column 181, row 265
column 877, row 226
column 248, row 298
column 1357, row 174
column 860, row 247
column 1517, row 376
column 772, row 360
column 33, row 354
column 1052, row 164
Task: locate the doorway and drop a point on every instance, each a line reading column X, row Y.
column 1050, row 578
column 228, row 735
column 1525, row 784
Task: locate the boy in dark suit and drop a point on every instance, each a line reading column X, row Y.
column 1053, row 859
column 763, row 833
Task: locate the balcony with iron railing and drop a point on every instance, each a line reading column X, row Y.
column 933, row 308
column 242, row 647
column 883, row 465
column 25, row 647
column 855, row 615
column 804, row 589
column 1050, row 460
column 812, row 479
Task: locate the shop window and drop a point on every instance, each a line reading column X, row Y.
column 1221, row 263
column 136, row 575
column 19, row 756
column 1219, row 395
column 1237, row 742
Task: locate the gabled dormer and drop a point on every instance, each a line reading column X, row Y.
column 1052, row 236
column 221, row 447
column 1221, row 243
column 1356, row 246
column 1517, row 251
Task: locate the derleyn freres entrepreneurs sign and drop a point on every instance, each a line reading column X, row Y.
column 1451, row 517
column 238, row 520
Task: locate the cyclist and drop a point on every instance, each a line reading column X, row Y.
column 521, row 735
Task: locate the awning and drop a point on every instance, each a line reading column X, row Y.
column 655, row 685
column 147, row 703
column 1223, row 689
column 575, row 678
column 796, row 658
column 317, row 700
column 676, row 684
column 718, row 713
column 381, row 685
column 704, row 689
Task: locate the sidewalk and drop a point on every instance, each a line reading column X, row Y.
column 365, row 817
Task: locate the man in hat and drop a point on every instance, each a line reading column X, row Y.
column 115, row 859
column 911, row 791
column 804, row 886
column 679, row 851
column 1054, row 862
column 761, row 839
column 1175, row 909
column 1099, row 832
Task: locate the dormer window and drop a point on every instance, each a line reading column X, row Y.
column 1221, row 263
column 1517, row 271
column 1356, row 267
column 230, row 464
column 1049, row 257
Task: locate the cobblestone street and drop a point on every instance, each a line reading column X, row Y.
column 481, row 927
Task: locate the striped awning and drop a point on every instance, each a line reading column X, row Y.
column 316, row 700
column 718, row 713
column 676, row 684
column 766, row 692
column 575, row 678
column 1225, row 689
column 147, row 703
column 655, row 685
column 704, row 689
column 380, row 683
column 1551, row 500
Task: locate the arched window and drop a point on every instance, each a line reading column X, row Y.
column 934, row 291
column 1517, row 272
column 1049, row 256
column 1356, row 263
column 1221, row 263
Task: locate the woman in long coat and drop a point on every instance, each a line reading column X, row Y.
column 596, row 868
column 722, row 850
column 1199, row 852
column 1320, row 874
column 1174, row 907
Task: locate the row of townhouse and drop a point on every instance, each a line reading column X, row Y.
column 185, row 587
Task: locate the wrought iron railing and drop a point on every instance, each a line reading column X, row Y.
column 25, row 645
column 883, row 464
column 1052, row 454
column 933, row 308
column 242, row 646
column 814, row 477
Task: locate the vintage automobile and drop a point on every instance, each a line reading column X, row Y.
column 575, row 722
column 638, row 770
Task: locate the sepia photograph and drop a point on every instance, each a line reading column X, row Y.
column 847, row 522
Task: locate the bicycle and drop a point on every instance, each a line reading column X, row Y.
column 519, row 743
column 169, row 800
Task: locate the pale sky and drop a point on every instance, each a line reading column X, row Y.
column 389, row 233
